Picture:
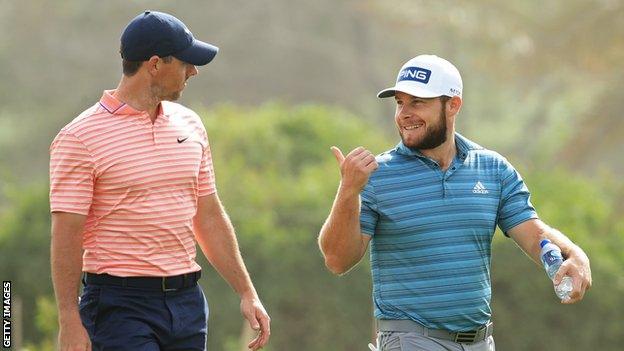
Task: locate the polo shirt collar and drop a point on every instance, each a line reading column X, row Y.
column 116, row 107
column 404, row 150
column 463, row 147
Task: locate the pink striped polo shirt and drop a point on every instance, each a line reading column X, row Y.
column 137, row 183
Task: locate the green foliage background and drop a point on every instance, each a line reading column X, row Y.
column 542, row 85
column 277, row 178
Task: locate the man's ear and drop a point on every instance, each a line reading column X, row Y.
column 152, row 65
column 454, row 105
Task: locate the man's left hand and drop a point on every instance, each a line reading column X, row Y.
column 258, row 319
column 576, row 266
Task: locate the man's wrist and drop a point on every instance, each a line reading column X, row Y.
column 69, row 317
column 249, row 294
column 347, row 191
column 575, row 252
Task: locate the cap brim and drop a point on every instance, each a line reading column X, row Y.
column 414, row 91
column 198, row 54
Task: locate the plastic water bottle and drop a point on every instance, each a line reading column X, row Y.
column 552, row 260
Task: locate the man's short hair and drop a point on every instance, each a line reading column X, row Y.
column 130, row 68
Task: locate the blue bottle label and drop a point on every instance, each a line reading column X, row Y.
column 551, row 257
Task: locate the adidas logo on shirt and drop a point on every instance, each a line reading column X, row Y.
column 479, row 189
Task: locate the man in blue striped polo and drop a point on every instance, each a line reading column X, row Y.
column 429, row 208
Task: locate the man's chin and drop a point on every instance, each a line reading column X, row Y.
column 421, row 145
column 174, row 97
column 412, row 144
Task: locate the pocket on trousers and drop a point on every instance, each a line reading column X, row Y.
column 88, row 306
column 190, row 309
column 485, row 345
column 203, row 306
column 389, row 341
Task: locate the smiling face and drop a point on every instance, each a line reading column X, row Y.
column 171, row 79
column 421, row 122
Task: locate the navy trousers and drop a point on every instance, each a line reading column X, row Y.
column 120, row 319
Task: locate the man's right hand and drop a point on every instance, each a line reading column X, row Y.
column 340, row 239
column 355, row 168
column 73, row 336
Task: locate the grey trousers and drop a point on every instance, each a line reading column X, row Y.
column 401, row 341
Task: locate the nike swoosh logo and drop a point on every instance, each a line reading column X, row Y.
column 182, row 140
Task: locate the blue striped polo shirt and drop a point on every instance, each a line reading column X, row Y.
column 432, row 232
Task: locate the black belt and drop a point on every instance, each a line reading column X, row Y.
column 171, row 283
column 407, row 326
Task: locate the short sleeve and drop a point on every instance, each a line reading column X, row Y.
column 72, row 174
column 206, row 181
column 368, row 210
column 515, row 206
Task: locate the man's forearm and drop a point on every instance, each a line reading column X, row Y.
column 66, row 262
column 218, row 243
column 340, row 238
column 529, row 234
column 577, row 266
column 568, row 248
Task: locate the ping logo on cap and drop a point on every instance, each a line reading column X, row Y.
column 416, row 74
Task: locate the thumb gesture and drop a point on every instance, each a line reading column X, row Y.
column 338, row 154
column 356, row 167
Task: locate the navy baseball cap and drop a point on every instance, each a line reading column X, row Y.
column 157, row 33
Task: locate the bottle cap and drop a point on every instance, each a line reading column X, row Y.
column 544, row 242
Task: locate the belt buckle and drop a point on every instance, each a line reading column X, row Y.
column 466, row 337
column 164, row 285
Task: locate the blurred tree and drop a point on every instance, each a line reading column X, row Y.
column 542, row 84
column 530, row 69
column 526, row 311
column 538, row 77
column 25, row 251
column 277, row 178
column 46, row 322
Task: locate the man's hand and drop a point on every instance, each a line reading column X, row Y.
column 73, row 336
column 576, row 266
column 528, row 235
column 215, row 234
column 355, row 168
column 258, row 319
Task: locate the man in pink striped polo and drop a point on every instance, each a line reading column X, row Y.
column 131, row 188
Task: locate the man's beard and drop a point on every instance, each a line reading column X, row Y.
column 161, row 95
column 172, row 96
column 434, row 136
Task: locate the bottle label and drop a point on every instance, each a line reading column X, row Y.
column 551, row 257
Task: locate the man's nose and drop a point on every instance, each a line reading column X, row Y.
column 192, row 71
column 405, row 112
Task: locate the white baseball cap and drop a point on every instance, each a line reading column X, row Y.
column 426, row 76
